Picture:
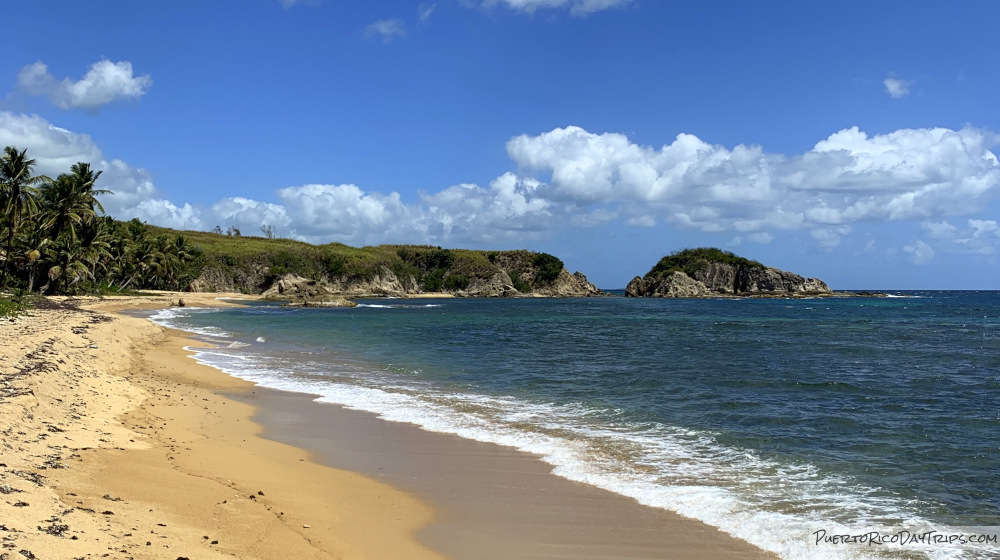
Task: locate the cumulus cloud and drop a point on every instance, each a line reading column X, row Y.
column 570, row 177
column 106, row 82
column 975, row 236
column 387, row 29
column 920, row 252
column 897, row 88
column 849, row 177
column 56, row 149
column 939, row 230
column 576, row 7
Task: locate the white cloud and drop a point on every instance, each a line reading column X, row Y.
column 976, row 237
column 247, row 213
column 569, row 177
column 56, row 149
column 106, row 82
column 165, row 213
column 510, row 208
column 576, row 7
column 984, row 228
column 424, row 11
column 920, row 252
column 909, row 174
column 641, row 221
column 897, row 88
column 387, row 29
column 829, row 237
column 939, row 230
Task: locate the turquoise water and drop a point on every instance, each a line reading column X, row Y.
column 771, row 419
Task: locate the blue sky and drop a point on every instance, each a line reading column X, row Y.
column 852, row 141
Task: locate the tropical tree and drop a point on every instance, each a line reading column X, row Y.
column 71, row 200
column 95, row 242
column 31, row 243
column 16, row 197
column 59, row 231
column 68, row 264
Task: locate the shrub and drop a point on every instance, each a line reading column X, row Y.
column 456, row 282
column 433, row 281
column 691, row 261
column 519, row 285
column 547, row 268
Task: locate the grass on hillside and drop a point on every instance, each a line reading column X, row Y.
column 692, row 261
column 434, row 268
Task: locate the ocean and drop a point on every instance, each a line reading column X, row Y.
column 813, row 428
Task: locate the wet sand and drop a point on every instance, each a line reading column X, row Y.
column 115, row 443
column 493, row 502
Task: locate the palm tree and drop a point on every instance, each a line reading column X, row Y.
column 32, row 240
column 70, row 200
column 69, row 266
column 95, row 246
column 16, row 196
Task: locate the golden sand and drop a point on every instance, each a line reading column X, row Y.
column 114, row 443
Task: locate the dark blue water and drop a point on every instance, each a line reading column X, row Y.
column 768, row 418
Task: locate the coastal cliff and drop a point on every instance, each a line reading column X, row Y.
column 284, row 269
column 707, row 272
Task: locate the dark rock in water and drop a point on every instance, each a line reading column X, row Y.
column 695, row 273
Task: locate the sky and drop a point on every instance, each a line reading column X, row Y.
column 852, row 141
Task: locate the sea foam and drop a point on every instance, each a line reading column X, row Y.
column 681, row 470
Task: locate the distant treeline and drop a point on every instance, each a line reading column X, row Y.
column 55, row 239
column 249, row 264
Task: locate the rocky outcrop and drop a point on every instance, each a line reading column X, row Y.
column 309, row 292
column 501, row 285
column 498, row 285
column 675, row 285
column 251, row 279
column 303, row 292
column 383, row 283
column 568, row 285
column 693, row 274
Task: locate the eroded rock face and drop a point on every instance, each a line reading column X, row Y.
column 305, row 292
column 498, row 285
column 636, row 288
column 249, row 280
column 721, row 280
column 385, row 283
column 568, row 285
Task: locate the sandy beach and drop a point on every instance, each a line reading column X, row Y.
column 115, row 443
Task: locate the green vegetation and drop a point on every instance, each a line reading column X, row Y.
column 434, row 269
column 547, row 267
column 519, row 284
column 56, row 239
column 11, row 307
column 693, row 261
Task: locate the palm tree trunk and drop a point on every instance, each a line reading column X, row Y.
column 6, row 259
column 31, row 278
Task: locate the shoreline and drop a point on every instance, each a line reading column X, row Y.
column 117, row 443
column 188, row 461
column 494, row 502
